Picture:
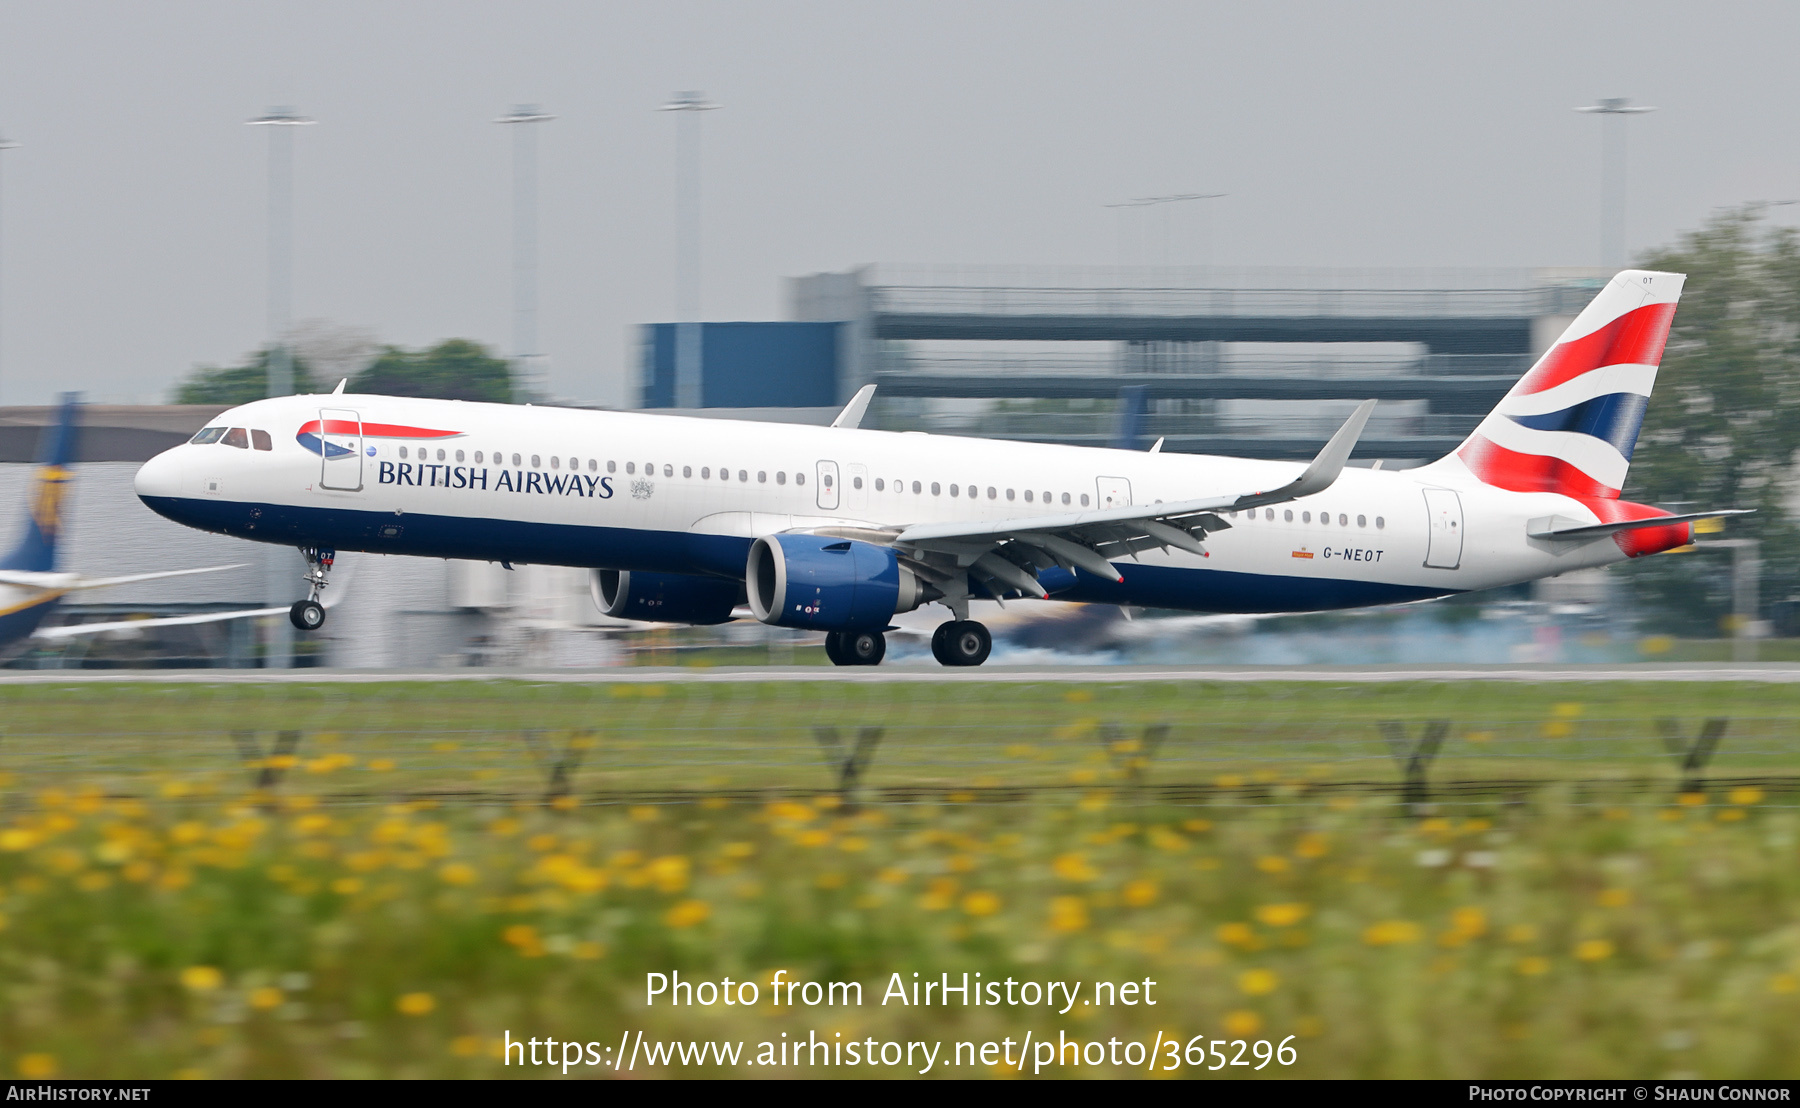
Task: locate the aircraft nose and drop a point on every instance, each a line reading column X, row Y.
column 160, row 477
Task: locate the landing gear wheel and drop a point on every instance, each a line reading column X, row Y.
column 307, row 615
column 856, row 648
column 961, row 642
column 863, row 648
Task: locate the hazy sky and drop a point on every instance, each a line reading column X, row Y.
column 1345, row 134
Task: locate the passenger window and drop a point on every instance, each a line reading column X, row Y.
column 953, row 490
column 800, row 479
column 260, row 440
column 668, row 470
column 1362, row 521
column 207, row 435
column 535, row 464
column 1305, row 517
column 516, row 460
column 630, row 467
column 1380, row 523
column 440, row 449
column 1343, row 520
column 1009, row 494
column 880, row 485
column 1269, row 514
column 687, row 471
column 593, row 465
column 1066, row 498
column 936, row 489
column 459, row 455
column 555, row 462
column 994, row 493
column 781, row 477
column 1084, row 500
column 478, row 457
column 917, row 488
column 612, row 467
column 402, row 449
column 236, row 437
column 762, row 477
column 705, row 473
column 743, row 475
column 1287, row 515
column 856, row 482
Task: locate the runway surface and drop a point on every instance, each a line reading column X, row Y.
column 1769, row 673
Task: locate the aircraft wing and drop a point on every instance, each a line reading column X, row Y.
column 1011, row 552
column 73, row 629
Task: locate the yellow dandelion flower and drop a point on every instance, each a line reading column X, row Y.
column 981, row 903
column 815, row 837
column 1257, row 982
column 588, row 951
column 1692, row 800
column 37, row 1066
column 465, row 1046
column 15, row 839
column 1196, row 825
column 1281, row 915
column 415, row 1004
column 1784, row 983
column 457, row 873
column 1594, row 950
column 1273, row 863
column 1521, row 933
column 381, row 765
column 202, row 979
column 1242, row 1023
column 1470, row 921
column 1235, row 934
column 520, row 934
column 1068, row 914
column 1229, row 781
column 669, row 872
column 1073, row 867
column 1140, row 893
column 687, row 913
column 265, row 998
column 1312, row 845
column 644, row 813
column 1534, row 965
column 347, row 886
column 1614, row 898
column 1746, row 795
column 1391, row 932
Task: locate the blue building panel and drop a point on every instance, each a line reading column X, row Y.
column 748, row 365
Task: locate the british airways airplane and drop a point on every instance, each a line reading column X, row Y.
column 837, row 529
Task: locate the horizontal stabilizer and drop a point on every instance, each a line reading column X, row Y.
column 1560, row 527
column 71, row 630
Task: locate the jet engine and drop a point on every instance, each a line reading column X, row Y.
column 663, row 597
column 827, row 584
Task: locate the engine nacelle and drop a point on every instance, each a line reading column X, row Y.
column 663, row 597
column 826, row 584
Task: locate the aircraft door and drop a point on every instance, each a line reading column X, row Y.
column 1114, row 492
column 340, row 449
column 856, row 493
column 1443, row 548
column 828, row 486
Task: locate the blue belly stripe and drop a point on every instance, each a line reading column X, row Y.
column 495, row 540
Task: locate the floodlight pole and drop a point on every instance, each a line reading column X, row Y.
column 526, row 355
column 1613, row 110
column 687, row 244
column 7, row 144
column 278, row 566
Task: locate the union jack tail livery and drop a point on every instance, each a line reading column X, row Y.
column 1570, row 424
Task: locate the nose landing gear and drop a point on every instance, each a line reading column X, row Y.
column 961, row 642
column 856, row 648
column 309, row 614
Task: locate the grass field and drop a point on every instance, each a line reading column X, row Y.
column 408, row 874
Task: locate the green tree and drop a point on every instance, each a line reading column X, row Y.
column 238, row 384
column 1723, row 427
column 455, row 369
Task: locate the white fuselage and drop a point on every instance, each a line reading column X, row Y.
column 671, row 494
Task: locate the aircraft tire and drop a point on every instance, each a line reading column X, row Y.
column 834, row 649
column 307, row 615
column 863, row 648
column 962, row 643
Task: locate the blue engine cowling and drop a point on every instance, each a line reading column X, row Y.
column 826, row 584
column 664, row 597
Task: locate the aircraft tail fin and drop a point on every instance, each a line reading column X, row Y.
column 36, row 551
column 1570, row 424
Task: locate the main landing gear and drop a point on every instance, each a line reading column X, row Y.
column 856, row 648
column 309, row 614
column 961, row 642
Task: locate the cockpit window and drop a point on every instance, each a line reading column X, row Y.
column 261, row 440
column 207, row 435
column 238, row 438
